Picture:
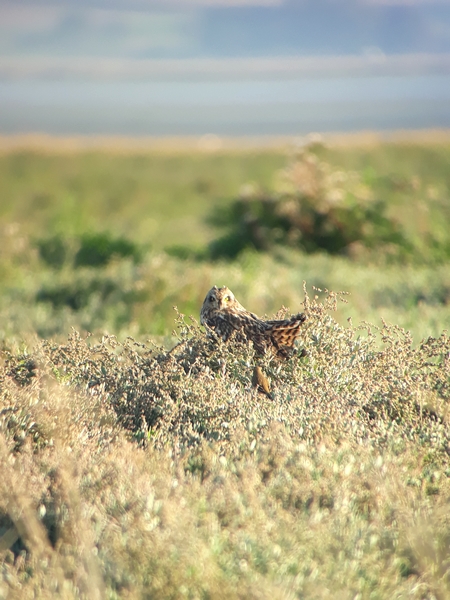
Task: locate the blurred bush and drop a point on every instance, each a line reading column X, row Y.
column 53, row 250
column 317, row 207
column 77, row 292
column 90, row 249
column 97, row 249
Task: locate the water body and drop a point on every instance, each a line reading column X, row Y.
column 257, row 107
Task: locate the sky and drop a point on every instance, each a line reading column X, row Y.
column 196, row 66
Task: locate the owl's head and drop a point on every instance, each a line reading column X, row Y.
column 219, row 299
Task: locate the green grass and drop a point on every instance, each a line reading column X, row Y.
column 56, row 208
column 151, row 198
column 130, row 470
column 414, row 180
column 156, row 198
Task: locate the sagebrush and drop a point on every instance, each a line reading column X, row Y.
column 135, row 471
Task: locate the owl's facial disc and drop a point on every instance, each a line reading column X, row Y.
column 227, row 298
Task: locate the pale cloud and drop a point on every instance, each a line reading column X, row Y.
column 79, row 31
column 29, row 18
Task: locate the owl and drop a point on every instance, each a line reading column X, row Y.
column 225, row 315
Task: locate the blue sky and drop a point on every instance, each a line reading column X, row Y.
column 146, row 29
column 70, row 58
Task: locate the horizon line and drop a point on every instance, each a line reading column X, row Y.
column 40, row 142
column 372, row 63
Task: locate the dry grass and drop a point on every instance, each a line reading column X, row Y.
column 130, row 471
column 210, row 143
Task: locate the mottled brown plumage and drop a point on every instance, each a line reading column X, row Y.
column 225, row 315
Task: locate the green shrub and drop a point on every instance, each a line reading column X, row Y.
column 53, row 250
column 316, row 207
column 97, row 249
column 86, row 250
column 78, row 293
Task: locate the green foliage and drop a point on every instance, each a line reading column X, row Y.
column 53, row 250
column 387, row 200
column 316, row 207
column 97, row 249
column 153, row 197
column 86, row 250
column 126, row 298
column 79, row 292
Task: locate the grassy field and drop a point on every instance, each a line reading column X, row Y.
column 137, row 459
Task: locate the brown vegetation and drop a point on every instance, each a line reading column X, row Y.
column 133, row 471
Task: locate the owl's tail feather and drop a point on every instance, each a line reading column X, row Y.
column 284, row 333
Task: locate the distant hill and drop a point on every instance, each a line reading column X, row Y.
column 325, row 27
column 172, row 29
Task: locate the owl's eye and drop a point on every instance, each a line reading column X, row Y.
column 211, row 299
column 227, row 298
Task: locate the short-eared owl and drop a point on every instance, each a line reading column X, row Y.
column 225, row 315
